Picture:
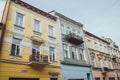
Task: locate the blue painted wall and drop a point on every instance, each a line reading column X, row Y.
column 75, row 72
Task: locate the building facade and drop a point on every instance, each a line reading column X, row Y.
column 100, row 57
column 113, row 50
column 74, row 59
column 30, row 44
column 4, row 5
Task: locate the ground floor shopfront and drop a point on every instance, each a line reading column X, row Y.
column 9, row 71
column 76, row 72
column 108, row 75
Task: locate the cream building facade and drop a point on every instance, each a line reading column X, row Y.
column 30, row 44
column 99, row 52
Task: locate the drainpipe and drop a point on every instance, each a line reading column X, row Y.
column 4, row 20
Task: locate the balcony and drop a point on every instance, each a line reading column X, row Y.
column 104, row 70
column 74, row 39
column 113, row 56
column 39, row 60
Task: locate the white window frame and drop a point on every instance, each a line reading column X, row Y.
column 36, row 50
column 16, row 45
column 38, row 27
column 51, row 34
column 66, row 55
column 53, row 55
column 23, row 21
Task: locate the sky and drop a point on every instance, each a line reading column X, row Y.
column 100, row 17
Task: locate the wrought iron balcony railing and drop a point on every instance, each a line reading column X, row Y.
column 39, row 60
column 74, row 39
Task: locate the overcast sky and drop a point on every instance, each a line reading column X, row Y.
column 100, row 17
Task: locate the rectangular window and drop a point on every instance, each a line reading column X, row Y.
column 80, row 51
column 89, row 44
column 19, row 19
column 51, row 31
column 35, row 52
column 94, row 62
column 52, row 54
column 73, row 52
column 65, row 50
column 37, row 26
column 97, row 78
column 112, row 78
column 15, row 48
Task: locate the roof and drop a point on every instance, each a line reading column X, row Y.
column 68, row 19
column 28, row 6
column 90, row 34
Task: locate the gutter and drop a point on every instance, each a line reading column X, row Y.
column 4, row 20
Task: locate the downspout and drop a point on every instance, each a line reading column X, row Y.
column 4, row 20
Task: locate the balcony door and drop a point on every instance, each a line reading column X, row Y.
column 35, row 52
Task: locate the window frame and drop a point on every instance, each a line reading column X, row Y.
column 51, row 34
column 17, row 45
column 23, row 20
column 39, row 28
column 52, row 54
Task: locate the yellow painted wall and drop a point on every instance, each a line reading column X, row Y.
column 15, row 70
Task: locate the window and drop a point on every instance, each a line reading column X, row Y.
column 89, row 44
column 52, row 54
column 81, row 54
column 103, row 78
column 112, row 78
column 51, row 31
column 15, row 48
column 63, row 29
column 37, row 26
column 101, row 63
column 35, row 52
column 74, row 54
column 96, row 46
column 93, row 62
column 19, row 19
column 65, row 50
column 97, row 78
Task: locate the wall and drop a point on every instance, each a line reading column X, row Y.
column 75, row 72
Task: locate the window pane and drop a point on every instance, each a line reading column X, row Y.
column 52, row 55
column 19, row 19
column 17, row 50
column 37, row 25
column 13, row 49
column 50, row 30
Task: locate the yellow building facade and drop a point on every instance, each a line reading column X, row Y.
column 30, row 46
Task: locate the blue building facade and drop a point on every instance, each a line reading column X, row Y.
column 76, row 72
column 74, row 56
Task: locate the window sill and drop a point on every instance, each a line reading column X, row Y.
column 19, row 26
column 53, row 62
column 52, row 37
column 15, row 56
column 37, row 33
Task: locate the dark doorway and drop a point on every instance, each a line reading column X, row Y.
column 53, row 78
column 23, row 78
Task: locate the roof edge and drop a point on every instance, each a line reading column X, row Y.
column 90, row 34
column 66, row 18
column 28, row 6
